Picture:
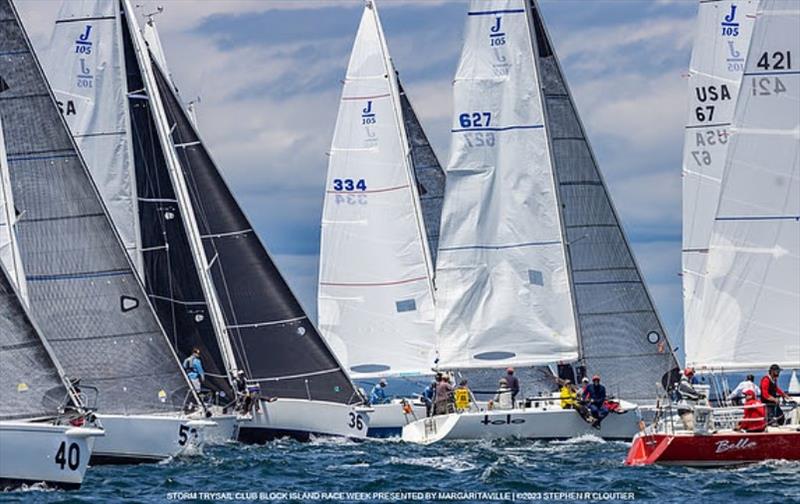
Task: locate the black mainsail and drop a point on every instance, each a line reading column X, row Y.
column 428, row 172
column 84, row 292
column 621, row 335
column 273, row 340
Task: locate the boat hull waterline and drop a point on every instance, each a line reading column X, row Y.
column 57, row 455
column 132, row 439
column 544, row 424
column 718, row 449
column 301, row 419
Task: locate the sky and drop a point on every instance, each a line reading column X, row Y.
column 268, row 77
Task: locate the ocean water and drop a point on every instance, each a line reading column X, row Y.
column 525, row 471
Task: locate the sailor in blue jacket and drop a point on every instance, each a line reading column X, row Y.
column 427, row 397
column 378, row 394
column 194, row 369
column 595, row 395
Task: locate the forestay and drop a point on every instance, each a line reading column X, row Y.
column 273, row 341
column 721, row 39
column 375, row 289
column 84, row 293
column 621, row 336
column 753, row 284
column 503, row 292
column 86, row 69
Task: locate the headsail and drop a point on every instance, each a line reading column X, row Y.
column 722, row 37
column 273, row 340
column 86, row 68
column 622, row 337
column 84, row 293
column 9, row 250
column 752, row 289
column 503, row 292
column 375, row 289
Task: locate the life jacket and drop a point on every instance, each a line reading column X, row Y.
column 188, row 365
column 568, row 397
column 461, row 398
column 755, row 416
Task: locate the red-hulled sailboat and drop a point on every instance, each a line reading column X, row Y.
column 741, row 250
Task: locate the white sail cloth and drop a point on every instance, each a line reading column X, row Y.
column 752, row 291
column 375, row 288
column 86, row 69
column 503, row 294
column 721, row 41
column 9, row 250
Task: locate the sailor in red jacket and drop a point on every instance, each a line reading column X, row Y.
column 771, row 394
column 755, row 414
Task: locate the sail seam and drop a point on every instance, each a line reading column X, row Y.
column 373, row 97
column 500, row 128
column 105, row 133
column 106, row 336
column 292, row 377
column 758, row 218
column 491, row 13
column 177, row 301
column 78, row 276
column 716, row 125
column 262, row 324
column 223, row 235
column 368, row 191
column 373, row 284
column 76, row 20
column 62, row 218
column 500, row 247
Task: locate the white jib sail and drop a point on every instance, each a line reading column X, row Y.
column 752, row 288
column 375, row 289
column 721, row 40
column 86, row 69
column 503, row 293
column 9, row 252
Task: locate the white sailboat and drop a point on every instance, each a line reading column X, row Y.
column 747, row 315
column 376, row 296
column 82, row 287
column 533, row 266
column 39, row 444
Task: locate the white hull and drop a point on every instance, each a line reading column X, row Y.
column 300, row 419
column 223, row 431
column 387, row 420
column 531, row 423
column 147, row 438
column 56, row 454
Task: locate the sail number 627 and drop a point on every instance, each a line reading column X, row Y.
column 475, row 119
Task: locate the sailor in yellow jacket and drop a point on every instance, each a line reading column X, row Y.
column 569, row 397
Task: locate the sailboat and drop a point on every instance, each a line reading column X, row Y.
column 228, row 277
column 533, row 266
column 751, row 274
column 117, row 135
column 82, row 289
column 380, row 222
column 44, row 433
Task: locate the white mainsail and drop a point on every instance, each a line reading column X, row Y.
column 376, row 305
column 721, row 40
column 503, row 288
column 752, row 291
column 91, row 94
column 9, row 250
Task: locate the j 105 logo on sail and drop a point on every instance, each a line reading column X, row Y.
column 735, row 59
column 496, row 35
column 85, row 77
column 730, row 27
column 742, row 444
column 502, row 421
column 82, row 44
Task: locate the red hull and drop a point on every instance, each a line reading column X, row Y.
column 715, row 449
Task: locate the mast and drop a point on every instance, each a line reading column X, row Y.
column 181, row 193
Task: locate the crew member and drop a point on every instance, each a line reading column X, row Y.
column 595, row 395
column 513, row 384
column 194, row 369
column 737, row 395
column 687, row 398
column 755, row 414
column 444, row 396
column 462, row 396
column 427, row 397
column 771, row 394
column 569, row 396
column 378, row 393
column 503, row 397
